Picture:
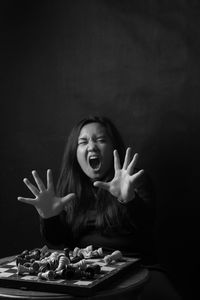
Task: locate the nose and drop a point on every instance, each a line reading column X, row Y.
column 92, row 145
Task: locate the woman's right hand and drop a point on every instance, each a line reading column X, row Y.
column 46, row 202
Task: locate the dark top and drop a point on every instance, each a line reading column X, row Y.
column 57, row 233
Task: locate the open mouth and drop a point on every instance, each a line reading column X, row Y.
column 95, row 162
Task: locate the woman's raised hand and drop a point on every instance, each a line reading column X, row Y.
column 45, row 201
column 124, row 183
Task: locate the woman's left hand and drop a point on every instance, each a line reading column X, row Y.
column 124, row 183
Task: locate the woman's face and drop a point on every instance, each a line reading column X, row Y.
column 94, row 151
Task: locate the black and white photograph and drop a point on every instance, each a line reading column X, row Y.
column 100, row 149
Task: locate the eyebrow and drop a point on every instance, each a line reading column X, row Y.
column 101, row 136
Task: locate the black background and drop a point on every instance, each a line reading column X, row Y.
column 136, row 62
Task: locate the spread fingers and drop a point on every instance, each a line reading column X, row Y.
column 31, row 187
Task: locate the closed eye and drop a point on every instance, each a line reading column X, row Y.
column 82, row 142
column 101, row 140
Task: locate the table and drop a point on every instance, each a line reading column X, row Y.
column 126, row 287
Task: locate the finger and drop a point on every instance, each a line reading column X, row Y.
column 137, row 175
column 117, row 165
column 102, row 185
column 31, row 187
column 26, row 200
column 67, row 198
column 127, row 158
column 132, row 164
column 50, row 184
column 39, row 182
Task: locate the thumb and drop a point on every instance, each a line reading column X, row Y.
column 67, row 198
column 102, row 185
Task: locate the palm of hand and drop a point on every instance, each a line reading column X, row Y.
column 123, row 184
column 46, row 202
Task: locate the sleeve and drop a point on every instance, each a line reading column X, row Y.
column 142, row 209
column 55, row 232
column 144, row 214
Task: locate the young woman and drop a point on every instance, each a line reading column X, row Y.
column 101, row 199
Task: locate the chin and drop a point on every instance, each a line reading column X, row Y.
column 95, row 177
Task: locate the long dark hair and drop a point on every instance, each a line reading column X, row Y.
column 73, row 180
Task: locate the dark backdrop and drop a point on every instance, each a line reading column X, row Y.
column 136, row 62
